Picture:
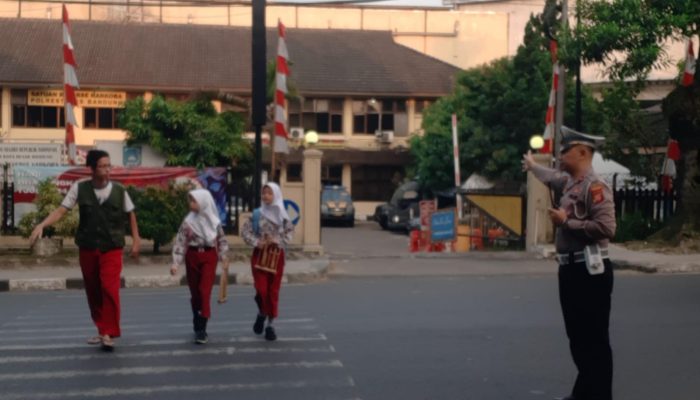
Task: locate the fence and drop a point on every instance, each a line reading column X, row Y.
column 239, row 198
column 655, row 205
column 494, row 221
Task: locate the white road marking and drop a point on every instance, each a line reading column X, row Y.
column 197, row 389
column 56, row 346
column 159, row 370
column 168, row 353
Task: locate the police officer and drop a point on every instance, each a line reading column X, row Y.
column 585, row 221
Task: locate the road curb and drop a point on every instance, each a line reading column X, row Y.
column 316, row 271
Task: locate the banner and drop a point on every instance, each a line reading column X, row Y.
column 86, row 98
column 27, row 178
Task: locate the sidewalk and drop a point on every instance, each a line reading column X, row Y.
column 20, row 271
column 148, row 275
column 643, row 261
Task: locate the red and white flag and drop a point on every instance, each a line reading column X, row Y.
column 668, row 170
column 70, row 83
column 551, row 105
column 689, row 72
column 281, row 135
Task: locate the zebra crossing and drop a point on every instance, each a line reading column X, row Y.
column 43, row 354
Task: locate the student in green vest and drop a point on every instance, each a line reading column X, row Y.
column 104, row 207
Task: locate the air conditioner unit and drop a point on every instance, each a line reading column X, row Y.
column 296, row 133
column 386, row 136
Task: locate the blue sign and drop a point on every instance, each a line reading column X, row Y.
column 292, row 210
column 132, row 156
column 442, row 226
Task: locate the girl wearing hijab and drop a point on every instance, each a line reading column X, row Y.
column 269, row 231
column 200, row 243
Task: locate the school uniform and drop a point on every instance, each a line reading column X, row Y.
column 272, row 222
column 100, row 239
column 200, row 244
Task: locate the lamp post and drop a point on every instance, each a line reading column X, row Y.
column 536, row 142
column 310, row 138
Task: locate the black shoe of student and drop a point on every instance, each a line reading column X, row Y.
column 201, row 337
column 270, row 333
column 259, row 324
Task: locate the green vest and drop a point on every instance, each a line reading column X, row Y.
column 101, row 226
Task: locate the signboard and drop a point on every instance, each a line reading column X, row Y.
column 442, row 226
column 27, row 178
column 86, row 98
column 131, row 156
column 39, row 154
column 427, row 208
column 293, row 210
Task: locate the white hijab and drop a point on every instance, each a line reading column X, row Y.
column 205, row 222
column 275, row 211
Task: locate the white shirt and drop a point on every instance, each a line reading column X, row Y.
column 102, row 195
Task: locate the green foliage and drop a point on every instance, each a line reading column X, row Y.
column 630, row 38
column 499, row 106
column 159, row 212
column 48, row 198
column 189, row 133
column 635, row 227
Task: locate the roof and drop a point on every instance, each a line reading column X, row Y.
column 198, row 57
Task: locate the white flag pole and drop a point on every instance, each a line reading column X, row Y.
column 458, row 179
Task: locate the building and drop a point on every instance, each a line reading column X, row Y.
column 352, row 81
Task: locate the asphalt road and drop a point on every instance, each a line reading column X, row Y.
column 386, row 325
column 441, row 337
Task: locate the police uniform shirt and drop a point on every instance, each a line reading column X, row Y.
column 589, row 206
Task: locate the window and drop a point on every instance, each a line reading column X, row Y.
column 368, row 115
column 332, row 174
column 101, row 118
column 375, row 182
column 320, row 115
column 26, row 116
column 294, row 173
column 422, row 104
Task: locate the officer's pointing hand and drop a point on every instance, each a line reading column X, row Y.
column 528, row 161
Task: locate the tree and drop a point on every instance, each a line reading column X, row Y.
column 499, row 106
column 48, row 198
column 630, row 38
column 160, row 212
column 190, row 133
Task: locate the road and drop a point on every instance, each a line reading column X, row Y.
column 495, row 334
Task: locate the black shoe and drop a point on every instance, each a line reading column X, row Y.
column 201, row 337
column 270, row 333
column 259, row 324
column 565, row 398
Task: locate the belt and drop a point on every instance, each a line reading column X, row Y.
column 202, row 249
column 577, row 257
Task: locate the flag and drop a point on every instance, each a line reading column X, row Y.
column 551, row 106
column 668, row 170
column 282, row 71
column 689, row 72
column 70, row 83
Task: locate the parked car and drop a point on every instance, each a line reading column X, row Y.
column 336, row 205
column 401, row 208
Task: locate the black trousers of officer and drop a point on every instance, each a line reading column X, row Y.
column 585, row 303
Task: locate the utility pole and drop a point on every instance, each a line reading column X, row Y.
column 259, row 67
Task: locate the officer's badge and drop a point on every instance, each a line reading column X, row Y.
column 597, row 193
